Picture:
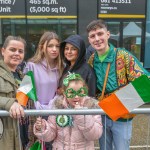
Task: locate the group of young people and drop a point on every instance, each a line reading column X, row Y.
column 64, row 80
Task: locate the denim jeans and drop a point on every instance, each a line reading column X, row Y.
column 116, row 135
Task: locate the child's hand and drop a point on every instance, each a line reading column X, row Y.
column 40, row 124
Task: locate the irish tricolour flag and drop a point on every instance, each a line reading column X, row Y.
column 127, row 98
column 27, row 89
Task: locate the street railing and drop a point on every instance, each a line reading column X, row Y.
column 135, row 146
column 72, row 112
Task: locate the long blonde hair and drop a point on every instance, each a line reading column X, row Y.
column 40, row 54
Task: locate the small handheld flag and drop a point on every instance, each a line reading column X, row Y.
column 127, row 98
column 38, row 146
column 27, row 89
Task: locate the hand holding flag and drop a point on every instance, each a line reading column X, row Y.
column 27, row 89
column 127, row 98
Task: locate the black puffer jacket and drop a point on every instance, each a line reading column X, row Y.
column 80, row 66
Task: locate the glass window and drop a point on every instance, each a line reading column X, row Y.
column 13, row 27
column 32, row 29
column 113, row 27
column 126, row 34
column 132, row 32
column 147, row 39
column 35, row 18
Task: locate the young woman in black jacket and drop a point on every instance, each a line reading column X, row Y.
column 73, row 51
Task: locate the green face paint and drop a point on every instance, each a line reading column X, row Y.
column 71, row 93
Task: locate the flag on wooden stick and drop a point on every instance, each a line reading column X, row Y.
column 27, row 89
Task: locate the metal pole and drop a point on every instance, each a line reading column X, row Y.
column 72, row 112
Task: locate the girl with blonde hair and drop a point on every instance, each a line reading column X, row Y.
column 47, row 67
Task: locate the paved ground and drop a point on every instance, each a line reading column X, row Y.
column 141, row 131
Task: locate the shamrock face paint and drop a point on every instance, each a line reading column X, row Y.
column 71, row 93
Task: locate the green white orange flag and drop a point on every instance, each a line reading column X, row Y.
column 127, row 98
column 26, row 89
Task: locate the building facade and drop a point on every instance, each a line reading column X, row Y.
column 128, row 21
